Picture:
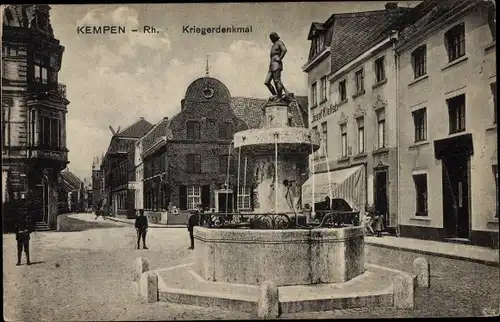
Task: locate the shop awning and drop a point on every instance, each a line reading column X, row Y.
column 348, row 184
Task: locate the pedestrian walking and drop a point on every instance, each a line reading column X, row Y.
column 378, row 224
column 141, row 226
column 23, row 228
column 194, row 220
column 98, row 212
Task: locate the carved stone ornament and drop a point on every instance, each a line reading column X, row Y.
column 208, row 92
column 360, row 111
column 380, row 103
column 343, row 119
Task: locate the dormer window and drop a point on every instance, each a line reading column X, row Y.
column 317, row 43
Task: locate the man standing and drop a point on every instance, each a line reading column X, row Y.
column 24, row 227
column 141, row 225
column 194, row 220
column 278, row 51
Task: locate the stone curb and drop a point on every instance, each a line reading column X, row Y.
column 431, row 253
column 150, row 225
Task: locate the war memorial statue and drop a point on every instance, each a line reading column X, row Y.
column 278, row 52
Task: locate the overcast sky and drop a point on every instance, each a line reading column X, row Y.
column 116, row 79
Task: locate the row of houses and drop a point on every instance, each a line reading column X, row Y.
column 404, row 99
column 409, row 94
column 184, row 160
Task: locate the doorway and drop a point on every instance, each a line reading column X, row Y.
column 225, row 199
column 456, row 201
column 381, row 200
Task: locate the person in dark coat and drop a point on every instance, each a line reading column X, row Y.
column 23, row 228
column 141, row 225
column 194, row 220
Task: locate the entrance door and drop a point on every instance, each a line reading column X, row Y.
column 381, row 202
column 456, row 196
column 225, row 199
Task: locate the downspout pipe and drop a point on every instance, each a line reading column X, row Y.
column 394, row 38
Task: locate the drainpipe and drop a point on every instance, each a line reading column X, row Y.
column 398, row 156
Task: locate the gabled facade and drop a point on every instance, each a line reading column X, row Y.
column 34, row 108
column 115, row 167
column 448, row 132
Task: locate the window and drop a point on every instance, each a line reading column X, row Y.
column 226, row 131
column 223, row 163
column 456, row 111
column 419, row 61
column 361, row 134
column 420, row 181
column 419, row 119
column 493, row 87
column 495, row 173
column 317, row 44
column 5, row 125
column 324, row 138
column 380, row 69
column 316, row 153
column 343, row 133
column 193, row 163
column 381, row 129
column 455, row 42
column 193, row 197
column 314, row 95
column 244, row 198
column 323, row 89
column 342, row 90
column 193, row 130
column 360, row 80
column 40, row 71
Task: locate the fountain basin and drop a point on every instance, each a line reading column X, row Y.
column 290, row 140
column 286, row 257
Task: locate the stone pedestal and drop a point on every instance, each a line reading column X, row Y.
column 292, row 146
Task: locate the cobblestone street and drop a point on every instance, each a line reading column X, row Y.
column 87, row 275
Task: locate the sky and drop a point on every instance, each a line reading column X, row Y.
column 114, row 79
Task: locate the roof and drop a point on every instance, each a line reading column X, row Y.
column 249, row 110
column 354, row 33
column 71, row 179
column 159, row 130
column 427, row 13
column 136, row 130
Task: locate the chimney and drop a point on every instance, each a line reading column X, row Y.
column 142, row 118
column 165, row 118
column 391, row 5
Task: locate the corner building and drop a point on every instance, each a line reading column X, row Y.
column 352, row 98
column 34, row 108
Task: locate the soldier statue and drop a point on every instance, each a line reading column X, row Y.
column 278, row 51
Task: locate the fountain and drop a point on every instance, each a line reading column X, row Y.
column 314, row 266
column 279, row 258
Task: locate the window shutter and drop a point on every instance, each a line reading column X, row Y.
column 205, row 196
column 221, row 131
column 182, row 197
column 252, row 206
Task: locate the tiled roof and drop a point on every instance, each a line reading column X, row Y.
column 424, row 16
column 158, row 130
column 136, row 130
column 249, row 110
column 73, row 181
column 120, row 145
column 352, row 34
